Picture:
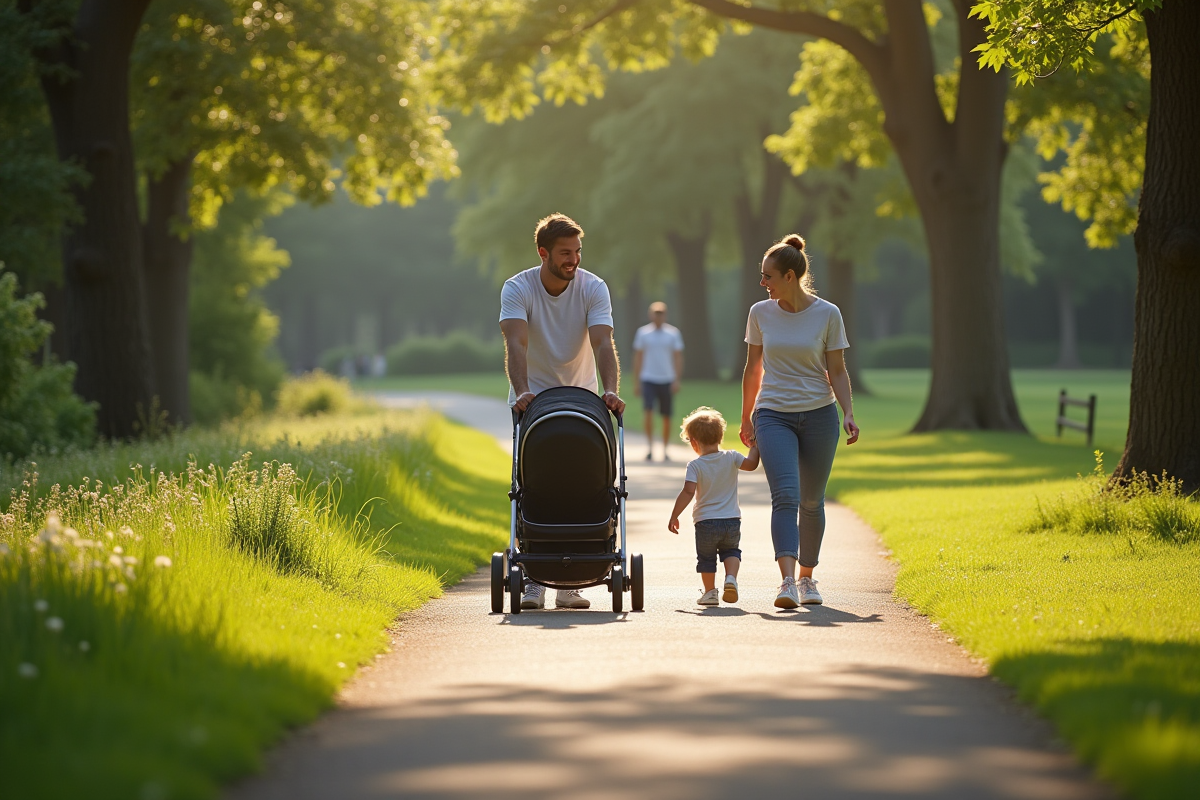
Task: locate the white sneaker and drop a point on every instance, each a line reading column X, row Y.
column 571, row 598
column 730, row 595
column 809, row 595
column 709, row 598
column 534, row 597
column 788, row 598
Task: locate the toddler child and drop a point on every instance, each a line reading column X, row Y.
column 712, row 480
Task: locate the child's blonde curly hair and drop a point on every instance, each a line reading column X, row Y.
column 704, row 425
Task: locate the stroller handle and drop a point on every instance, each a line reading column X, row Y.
column 517, row 415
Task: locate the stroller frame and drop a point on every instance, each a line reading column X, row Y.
column 625, row 572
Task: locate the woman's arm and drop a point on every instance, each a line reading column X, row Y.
column 839, row 378
column 752, row 377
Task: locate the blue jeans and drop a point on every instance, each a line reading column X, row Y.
column 797, row 454
column 717, row 539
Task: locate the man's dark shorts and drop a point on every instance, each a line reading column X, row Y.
column 717, row 539
column 657, row 393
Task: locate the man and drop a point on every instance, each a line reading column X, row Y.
column 658, row 363
column 558, row 331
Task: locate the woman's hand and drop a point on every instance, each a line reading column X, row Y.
column 851, row 428
column 746, row 432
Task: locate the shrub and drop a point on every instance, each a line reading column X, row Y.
column 900, row 352
column 315, row 392
column 456, row 352
column 37, row 407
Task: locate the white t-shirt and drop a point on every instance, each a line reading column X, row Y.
column 658, row 347
column 794, row 347
column 716, row 477
column 560, row 353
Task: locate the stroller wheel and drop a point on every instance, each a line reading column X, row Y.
column 637, row 583
column 497, row 583
column 618, row 589
column 514, row 589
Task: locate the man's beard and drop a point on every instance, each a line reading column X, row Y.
column 557, row 271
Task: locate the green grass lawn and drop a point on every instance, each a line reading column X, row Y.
column 123, row 678
column 1099, row 631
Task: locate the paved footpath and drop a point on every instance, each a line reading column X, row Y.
column 858, row 698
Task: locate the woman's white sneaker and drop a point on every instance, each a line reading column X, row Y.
column 809, row 595
column 709, row 598
column 571, row 598
column 534, row 597
column 788, row 597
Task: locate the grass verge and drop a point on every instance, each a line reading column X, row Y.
column 168, row 608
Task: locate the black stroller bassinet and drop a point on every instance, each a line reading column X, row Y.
column 568, row 502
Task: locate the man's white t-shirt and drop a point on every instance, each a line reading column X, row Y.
column 795, row 376
column 658, row 347
column 716, row 477
column 560, row 353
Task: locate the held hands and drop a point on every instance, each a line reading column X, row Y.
column 673, row 525
column 746, row 433
column 615, row 404
column 523, row 401
column 851, row 428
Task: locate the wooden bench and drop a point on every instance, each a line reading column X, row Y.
column 1063, row 421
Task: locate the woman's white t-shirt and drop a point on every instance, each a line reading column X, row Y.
column 560, row 353
column 795, row 376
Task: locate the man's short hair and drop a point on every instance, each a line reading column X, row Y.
column 657, row 306
column 554, row 227
column 704, row 425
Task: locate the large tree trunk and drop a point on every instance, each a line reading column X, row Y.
column 168, row 258
column 87, row 92
column 757, row 224
column 1068, row 329
column 1164, row 398
column 690, row 254
column 841, row 294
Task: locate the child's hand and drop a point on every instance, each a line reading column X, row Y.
column 673, row 525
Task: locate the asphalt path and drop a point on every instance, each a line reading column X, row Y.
column 858, row 698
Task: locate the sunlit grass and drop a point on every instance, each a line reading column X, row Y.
column 132, row 678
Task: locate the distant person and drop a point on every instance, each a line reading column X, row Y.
column 658, row 363
column 558, row 331
column 712, row 478
column 795, row 371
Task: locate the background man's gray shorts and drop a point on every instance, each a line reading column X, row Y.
column 717, row 539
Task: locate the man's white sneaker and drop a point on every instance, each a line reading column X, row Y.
column 730, row 594
column 809, row 595
column 788, row 598
column 709, row 598
column 571, row 598
column 534, row 597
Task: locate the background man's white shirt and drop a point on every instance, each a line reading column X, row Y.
column 658, row 347
column 560, row 353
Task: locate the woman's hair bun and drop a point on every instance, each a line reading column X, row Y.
column 795, row 240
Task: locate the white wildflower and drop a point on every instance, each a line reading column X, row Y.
column 129, row 573
column 41, row 606
column 341, row 665
column 54, row 623
column 84, row 647
column 86, row 543
column 130, row 559
column 96, row 564
column 118, row 549
column 116, row 561
column 120, row 588
column 162, row 561
column 109, row 535
column 53, row 522
column 27, row 670
column 4, row 549
column 125, row 530
column 71, row 533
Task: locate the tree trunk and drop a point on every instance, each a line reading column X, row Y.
column 87, row 92
column 690, row 254
column 1164, row 398
column 757, row 230
column 841, row 294
column 1068, row 337
column 167, row 259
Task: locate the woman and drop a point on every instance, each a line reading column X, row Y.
column 795, row 370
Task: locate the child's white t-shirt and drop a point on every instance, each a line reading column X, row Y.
column 716, row 477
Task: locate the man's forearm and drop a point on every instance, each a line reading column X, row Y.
column 609, row 367
column 516, row 366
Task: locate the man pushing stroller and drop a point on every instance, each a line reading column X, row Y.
column 557, row 323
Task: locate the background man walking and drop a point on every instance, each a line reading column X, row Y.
column 658, row 363
column 558, row 331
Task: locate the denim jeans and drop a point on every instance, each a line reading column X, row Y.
column 717, row 538
column 797, row 454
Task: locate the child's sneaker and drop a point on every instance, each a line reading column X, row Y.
column 709, row 598
column 809, row 595
column 730, row 594
column 788, row 598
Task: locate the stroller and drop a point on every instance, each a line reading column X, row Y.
column 567, row 502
